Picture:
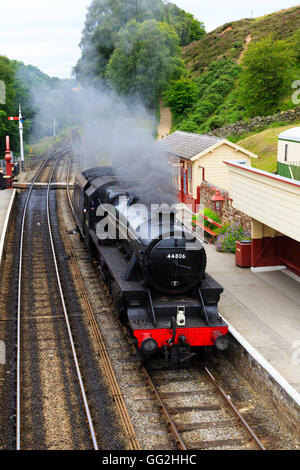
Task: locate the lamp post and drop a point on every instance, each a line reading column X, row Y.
column 217, row 201
column 8, row 164
column 8, row 158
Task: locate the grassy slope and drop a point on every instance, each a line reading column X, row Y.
column 228, row 40
column 43, row 144
column 264, row 144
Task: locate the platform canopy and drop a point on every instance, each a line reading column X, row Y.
column 290, row 134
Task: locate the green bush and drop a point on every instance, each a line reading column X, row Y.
column 215, row 122
column 238, row 44
column 181, row 95
column 267, row 75
column 188, row 126
column 199, row 117
column 211, row 215
column 205, row 107
column 216, row 99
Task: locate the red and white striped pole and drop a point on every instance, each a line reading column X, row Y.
column 21, row 138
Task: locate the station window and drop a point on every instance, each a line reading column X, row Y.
column 176, row 172
column 190, row 180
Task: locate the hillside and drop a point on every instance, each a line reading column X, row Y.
column 214, row 65
column 42, row 98
column 229, row 40
column 264, row 144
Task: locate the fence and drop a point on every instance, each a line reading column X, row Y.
column 289, row 170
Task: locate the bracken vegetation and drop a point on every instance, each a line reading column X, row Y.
column 242, row 69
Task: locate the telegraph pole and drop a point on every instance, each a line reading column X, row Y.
column 54, row 128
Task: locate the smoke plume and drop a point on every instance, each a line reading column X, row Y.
column 120, row 132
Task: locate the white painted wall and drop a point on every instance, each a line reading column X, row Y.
column 293, row 151
column 267, row 198
column 216, row 172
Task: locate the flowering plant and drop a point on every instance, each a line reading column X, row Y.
column 232, row 233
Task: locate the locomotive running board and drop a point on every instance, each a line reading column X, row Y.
column 118, row 267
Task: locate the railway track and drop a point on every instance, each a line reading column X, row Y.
column 105, row 361
column 53, row 396
column 180, row 417
column 31, row 271
column 196, row 409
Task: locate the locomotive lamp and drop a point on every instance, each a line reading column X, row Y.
column 218, row 201
column 149, row 346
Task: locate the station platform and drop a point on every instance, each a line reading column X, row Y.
column 6, row 202
column 264, row 308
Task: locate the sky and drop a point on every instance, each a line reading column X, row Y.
column 46, row 33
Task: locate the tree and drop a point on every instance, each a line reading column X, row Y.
column 186, row 26
column 266, row 75
column 181, row 95
column 7, row 76
column 106, row 18
column 145, row 59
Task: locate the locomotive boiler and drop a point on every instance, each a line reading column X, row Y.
column 154, row 267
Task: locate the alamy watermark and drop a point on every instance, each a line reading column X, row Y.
column 296, row 94
column 2, row 92
column 126, row 221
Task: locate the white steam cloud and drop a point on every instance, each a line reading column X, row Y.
column 115, row 131
column 120, row 133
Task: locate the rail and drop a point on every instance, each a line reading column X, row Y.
column 18, row 385
column 113, row 384
column 57, row 154
column 241, row 420
column 174, row 429
column 181, row 445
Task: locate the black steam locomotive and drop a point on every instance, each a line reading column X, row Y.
column 154, row 268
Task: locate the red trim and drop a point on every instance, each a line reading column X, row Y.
column 264, row 252
column 269, row 251
column 263, row 173
column 203, row 336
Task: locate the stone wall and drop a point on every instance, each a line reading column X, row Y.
column 268, row 388
column 228, row 214
column 257, row 123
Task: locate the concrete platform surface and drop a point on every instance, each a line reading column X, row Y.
column 6, row 199
column 264, row 308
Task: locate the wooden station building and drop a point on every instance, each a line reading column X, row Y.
column 273, row 203
column 196, row 158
